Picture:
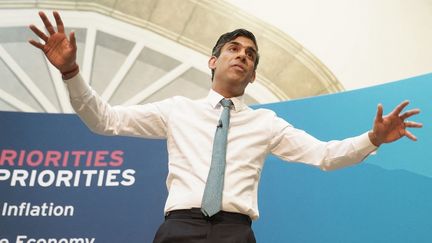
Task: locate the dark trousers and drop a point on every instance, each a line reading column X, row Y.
column 191, row 226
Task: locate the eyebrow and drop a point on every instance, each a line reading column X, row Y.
column 239, row 44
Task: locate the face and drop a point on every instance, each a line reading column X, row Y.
column 235, row 66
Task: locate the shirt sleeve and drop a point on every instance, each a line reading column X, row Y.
column 149, row 120
column 291, row 144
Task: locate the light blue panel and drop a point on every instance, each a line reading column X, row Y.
column 385, row 199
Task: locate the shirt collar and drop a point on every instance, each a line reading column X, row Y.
column 214, row 98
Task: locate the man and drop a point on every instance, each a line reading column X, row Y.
column 216, row 145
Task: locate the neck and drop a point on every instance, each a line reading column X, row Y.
column 227, row 90
column 226, row 93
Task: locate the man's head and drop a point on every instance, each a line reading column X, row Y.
column 234, row 61
column 229, row 36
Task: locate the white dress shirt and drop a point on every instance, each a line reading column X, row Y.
column 189, row 127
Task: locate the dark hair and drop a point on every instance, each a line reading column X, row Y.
column 227, row 37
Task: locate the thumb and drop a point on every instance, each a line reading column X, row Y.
column 72, row 40
column 379, row 113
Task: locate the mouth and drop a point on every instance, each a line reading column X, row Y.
column 239, row 67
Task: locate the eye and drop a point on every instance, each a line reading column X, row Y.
column 250, row 55
column 233, row 48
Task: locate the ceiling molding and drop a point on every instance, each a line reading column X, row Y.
column 286, row 68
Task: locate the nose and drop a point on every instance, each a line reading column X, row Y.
column 242, row 55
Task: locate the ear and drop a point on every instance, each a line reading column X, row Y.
column 212, row 62
column 253, row 77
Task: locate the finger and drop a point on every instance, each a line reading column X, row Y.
column 413, row 124
column 409, row 113
column 400, row 107
column 379, row 113
column 39, row 33
column 72, row 40
column 59, row 22
column 410, row 135
column 36, row 44
column 47, row 23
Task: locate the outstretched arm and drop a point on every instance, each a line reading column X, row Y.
column 60, row 51
column 389, row 128
column 291, row 144
column 140, row 120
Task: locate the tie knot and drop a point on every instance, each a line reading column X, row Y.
column 226, row 102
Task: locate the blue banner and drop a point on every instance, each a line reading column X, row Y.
column 60, row 181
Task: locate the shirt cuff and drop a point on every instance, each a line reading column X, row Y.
column 364, row 144
column 77, row 86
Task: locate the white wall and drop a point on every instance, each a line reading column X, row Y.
column 363, row 42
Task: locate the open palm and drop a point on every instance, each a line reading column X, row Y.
column 60, row 51
column 393, row 126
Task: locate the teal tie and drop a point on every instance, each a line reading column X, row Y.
column 212, row 198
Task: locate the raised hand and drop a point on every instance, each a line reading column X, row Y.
column 393, row 126
column 60, row 51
